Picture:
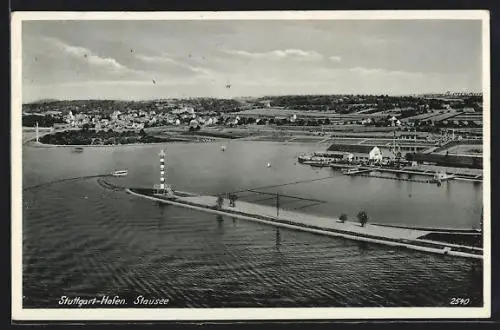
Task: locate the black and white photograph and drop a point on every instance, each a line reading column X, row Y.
column 239, row 165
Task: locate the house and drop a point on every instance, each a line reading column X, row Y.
column 366, row 121
column 115, row 115
column 394, row 121
column 375, row 154
column 194, row 123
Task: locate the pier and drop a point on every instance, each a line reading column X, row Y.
column 392, row 236
column 365, row 170
column 369, row 175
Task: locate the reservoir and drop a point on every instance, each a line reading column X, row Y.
column 83, row 240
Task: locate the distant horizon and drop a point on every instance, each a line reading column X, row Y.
column 244, row 96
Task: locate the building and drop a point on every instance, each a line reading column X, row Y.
column 394, row 121
column 194, row 124
column 335, row 155
column 115, row 115
column 266, row 103
column 184, row 110
column 375, row 155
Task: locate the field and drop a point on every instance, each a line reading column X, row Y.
column 277, row 112
column 464, row 149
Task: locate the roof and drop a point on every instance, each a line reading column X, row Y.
column 335, row 152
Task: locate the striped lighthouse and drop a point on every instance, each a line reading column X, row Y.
column 162, row 170
column 165, row 189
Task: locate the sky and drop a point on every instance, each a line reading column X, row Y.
column 140, row 60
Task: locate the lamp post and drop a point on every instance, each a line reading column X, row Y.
column 277, row 205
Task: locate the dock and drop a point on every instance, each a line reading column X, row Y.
column 363, row 170
column 392, row 236
column 356, row 171
column 369, row 175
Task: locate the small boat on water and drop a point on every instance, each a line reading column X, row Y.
column 442, row 176
column 120, row 173
column 317, row 163
column 352, row 170
column 223, row 148
column 78, row 149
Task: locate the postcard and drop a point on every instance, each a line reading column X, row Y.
column 250, row 165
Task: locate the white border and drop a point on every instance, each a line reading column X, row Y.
column 20, row 314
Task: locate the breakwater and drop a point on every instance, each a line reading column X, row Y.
column 66, row 180
column 396, row 237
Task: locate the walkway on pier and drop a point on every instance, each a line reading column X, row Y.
column 308, row 219
column 408, row 238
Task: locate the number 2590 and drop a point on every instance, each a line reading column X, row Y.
column 459, row 301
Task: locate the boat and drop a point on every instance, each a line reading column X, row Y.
column 78, row 149
column 303, row 159
column 442, row 176
column 316, row 163
column 120, row 173
column 223, row 148
column 352, row 170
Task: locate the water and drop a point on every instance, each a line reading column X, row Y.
column 82, row 240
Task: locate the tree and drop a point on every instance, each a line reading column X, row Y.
column 343, row 217
column 410, row 157
column 85, row 127
column 232, row 200
column 219, row 202
column 362, row 218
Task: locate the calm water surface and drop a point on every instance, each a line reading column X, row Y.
column 80, row 239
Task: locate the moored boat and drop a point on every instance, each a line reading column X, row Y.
column 352, row 170
column 442, row 176
column 120, row 173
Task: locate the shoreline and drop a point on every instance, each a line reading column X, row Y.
column 33, row 144
column 406, row 238
column 46, row 145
